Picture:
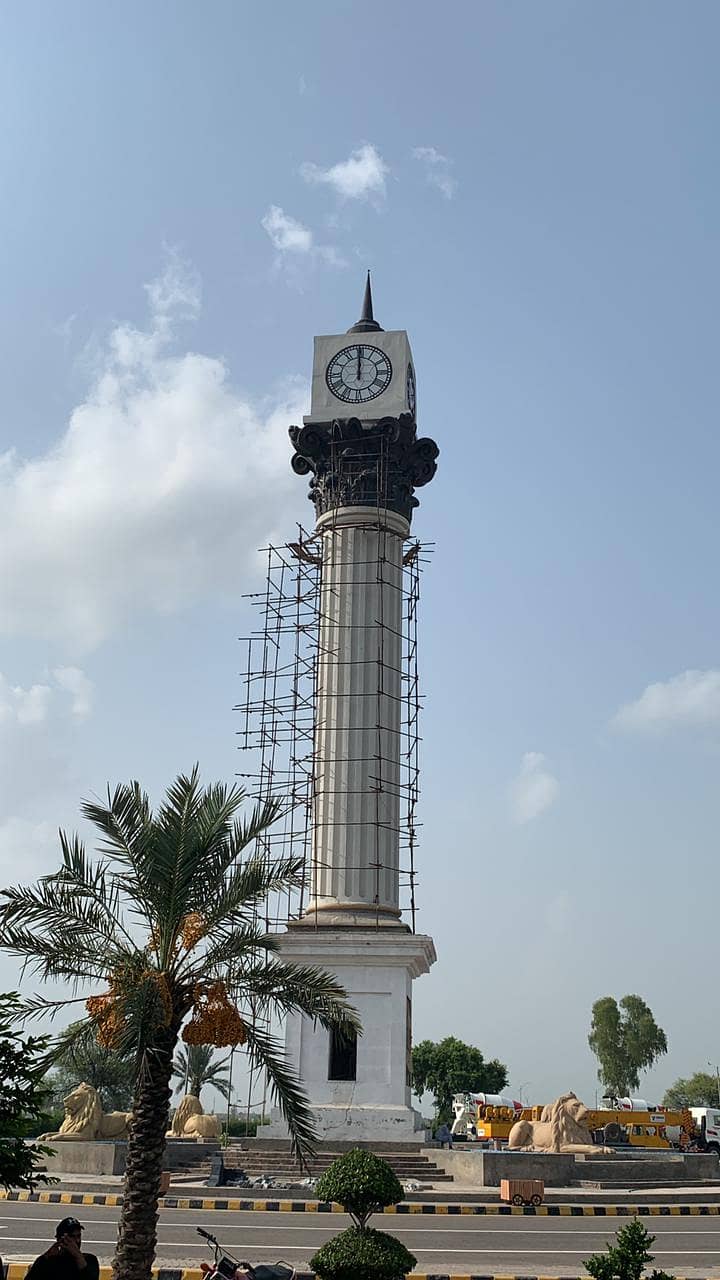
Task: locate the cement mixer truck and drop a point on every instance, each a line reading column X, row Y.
column 484, row 1116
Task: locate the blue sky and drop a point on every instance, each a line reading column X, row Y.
column 190, row 193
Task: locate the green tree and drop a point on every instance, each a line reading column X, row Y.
column 197, row 1065
column 363, row 1184
column 23, row 1063
column 451, row 1067
column 700, row 1090
column 80, row 1056
column 628, row 1258
column 164, row 914
column 625, row 1040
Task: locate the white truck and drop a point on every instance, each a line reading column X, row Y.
column 707, row 1123
column 470, row 1108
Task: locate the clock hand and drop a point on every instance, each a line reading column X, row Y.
column 358, row 367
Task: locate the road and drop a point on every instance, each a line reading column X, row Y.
column 511, row 1245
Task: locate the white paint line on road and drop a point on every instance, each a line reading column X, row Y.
column 665, row 1253
column 584, row 1227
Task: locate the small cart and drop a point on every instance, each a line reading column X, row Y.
column 525, row 1191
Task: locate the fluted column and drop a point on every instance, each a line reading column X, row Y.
column 364, row 478
column 356, row 819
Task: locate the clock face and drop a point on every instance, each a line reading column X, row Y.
column 410, row 389
column 358, row 373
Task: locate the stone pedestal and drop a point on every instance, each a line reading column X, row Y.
column 377, row 969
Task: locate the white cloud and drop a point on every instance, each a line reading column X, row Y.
column 75, row 682
column 157, row 494
column 23, row 706
column 174, row 295
column 32, row 706
column 690, row 698
column 359, row 177
column 295, row 242
column 533, row 790
column 437, row 170
column 287, row 234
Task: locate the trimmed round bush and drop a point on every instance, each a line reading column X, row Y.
column 362, row 1254
column 361, row 1182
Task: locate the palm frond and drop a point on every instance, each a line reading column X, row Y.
column 77, row 907
column 125, row 821
column 127, row 824
column 227, row 951
column 195, row 1063
column 223, row 858
column 247, row 885
column 67, row 955
column 287, row 1090
column 38, row 1006
column 315, row 992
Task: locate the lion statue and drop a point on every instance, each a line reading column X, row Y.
column 562, row 1128
column 190, row 1120
column 85, row 1120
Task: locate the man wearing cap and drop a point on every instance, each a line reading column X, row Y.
column 64, row 1260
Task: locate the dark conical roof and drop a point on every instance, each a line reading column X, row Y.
column 366, row 323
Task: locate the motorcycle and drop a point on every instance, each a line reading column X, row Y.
column 227, row 1267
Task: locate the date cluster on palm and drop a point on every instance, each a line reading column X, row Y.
column 215, row 1020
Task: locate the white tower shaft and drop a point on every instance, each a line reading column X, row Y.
column 356, row 820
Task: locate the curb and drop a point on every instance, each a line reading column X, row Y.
column 18, row 1270
column 626, row 1210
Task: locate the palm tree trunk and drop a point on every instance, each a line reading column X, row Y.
column 137, row 1230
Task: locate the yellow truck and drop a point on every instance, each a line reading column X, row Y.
column 627, row 1122
column 641, row 1125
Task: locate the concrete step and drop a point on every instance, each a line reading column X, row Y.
column 279, row 1164
column 256, row 1162
column 236, row 1155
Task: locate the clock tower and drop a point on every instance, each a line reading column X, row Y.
column 366, row 370
column 360, row 446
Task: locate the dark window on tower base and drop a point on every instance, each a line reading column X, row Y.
column 342, row 1061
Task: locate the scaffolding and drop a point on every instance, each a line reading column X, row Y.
column 288, row 652
column 278, row 730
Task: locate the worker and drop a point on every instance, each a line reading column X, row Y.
column 443, row 1135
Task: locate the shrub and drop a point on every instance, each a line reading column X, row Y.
column 239, row 1127
column 362, row 1183
column 48, row 1122
column 628, row 1257
column 23, row 1063
column 362, row 1254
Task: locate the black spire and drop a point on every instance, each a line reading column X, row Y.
column 366, row 323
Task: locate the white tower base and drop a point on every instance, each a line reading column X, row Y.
column 376, row 968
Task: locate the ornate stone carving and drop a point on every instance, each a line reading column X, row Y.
column 190, row 1121
column 85, row 1120
column 562, row 1128
column 377, row 464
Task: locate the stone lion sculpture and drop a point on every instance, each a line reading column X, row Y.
column 190, row 1120
column 85, row 1120
column 562, row 1128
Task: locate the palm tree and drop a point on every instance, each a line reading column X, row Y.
column 162, row 916
column 196, row 1068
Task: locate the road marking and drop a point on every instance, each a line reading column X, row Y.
column 204, row 1204
column 279, row 1247
column 586, row 1233
column 583, row 1228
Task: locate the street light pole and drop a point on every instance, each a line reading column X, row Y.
column 717, row 1076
